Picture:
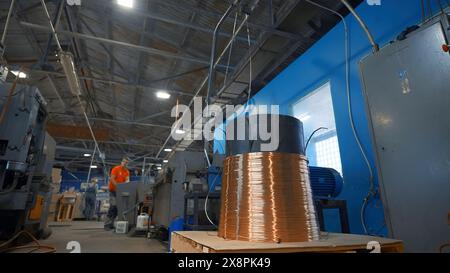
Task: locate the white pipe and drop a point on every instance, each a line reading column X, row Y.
column 375, row 46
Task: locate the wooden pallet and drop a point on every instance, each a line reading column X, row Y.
column 209, row 242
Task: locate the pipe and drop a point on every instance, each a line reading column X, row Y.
column 375, row 46
column 214, row 47
column 51, row 25
column 7, row 22
column 57, row 18
column 90, row 166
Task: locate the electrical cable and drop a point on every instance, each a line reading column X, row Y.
column 55, row 34
column 372, row 190
column 311, row 136
column 4, row 246
column 213, row 184
column 230, row 50
column 249, row 65
column 375, row 46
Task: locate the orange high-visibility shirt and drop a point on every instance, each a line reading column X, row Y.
column 121, row 174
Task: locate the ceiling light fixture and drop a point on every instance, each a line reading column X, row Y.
column 21, row 75
column 163, row 95
column 87, row 155
column 180, row 132
column 94, row 167
column 165, row 161
column 126, row 3
column 167, row 150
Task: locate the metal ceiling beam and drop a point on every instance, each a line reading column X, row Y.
column 153, row 116
column 108, row 51
column 281, row 15
column 182, row 93
column 114, row 142
column 217, row 15
column 56, row 21
column 127, row 122
column 148, row 50
column 165, row 19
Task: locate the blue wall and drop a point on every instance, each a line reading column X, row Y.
column 324, row 62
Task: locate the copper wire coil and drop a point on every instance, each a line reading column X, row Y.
column 266, row 197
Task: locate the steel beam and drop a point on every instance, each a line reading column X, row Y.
column 255, row 26
column 148, row 50
column 182, row 93
column 169, row 20
column 127, row 122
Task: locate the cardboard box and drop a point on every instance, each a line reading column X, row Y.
column 56, row 175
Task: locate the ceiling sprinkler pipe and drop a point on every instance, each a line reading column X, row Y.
column 375, row 46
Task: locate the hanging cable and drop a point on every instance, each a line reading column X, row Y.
column 90, row 166
column 213, row 185
column 375, row 46
column 230, row 50
column 250, row 66
column 372, row 190
column 311, row 136
column 74, row 77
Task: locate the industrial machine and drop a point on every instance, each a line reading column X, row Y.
column 406, row 87
column 26, row 160
column 181, row 190
column 130, row 196
column 325, row 182
column 326, row 185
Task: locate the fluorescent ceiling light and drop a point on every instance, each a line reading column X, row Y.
column 94, row 167
column 66, row 60
column 87, row 155
column 159, row 168
column 126, row 3
column 165, row 161
column 180, row 132
column 22, row 75
column 163, row 95
column 167, row 150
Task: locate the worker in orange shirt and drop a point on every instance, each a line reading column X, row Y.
column 119, row 174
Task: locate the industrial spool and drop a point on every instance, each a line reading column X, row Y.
column 266, row 195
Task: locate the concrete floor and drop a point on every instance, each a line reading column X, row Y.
column 94, row 239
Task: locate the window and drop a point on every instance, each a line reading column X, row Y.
column 316, row 110
column 327, row 153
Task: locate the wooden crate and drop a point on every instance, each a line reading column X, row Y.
column 209, row 242
column 66, row 207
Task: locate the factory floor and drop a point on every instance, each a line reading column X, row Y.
column 94, row 239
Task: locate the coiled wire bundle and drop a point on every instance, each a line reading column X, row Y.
column 266, row 197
